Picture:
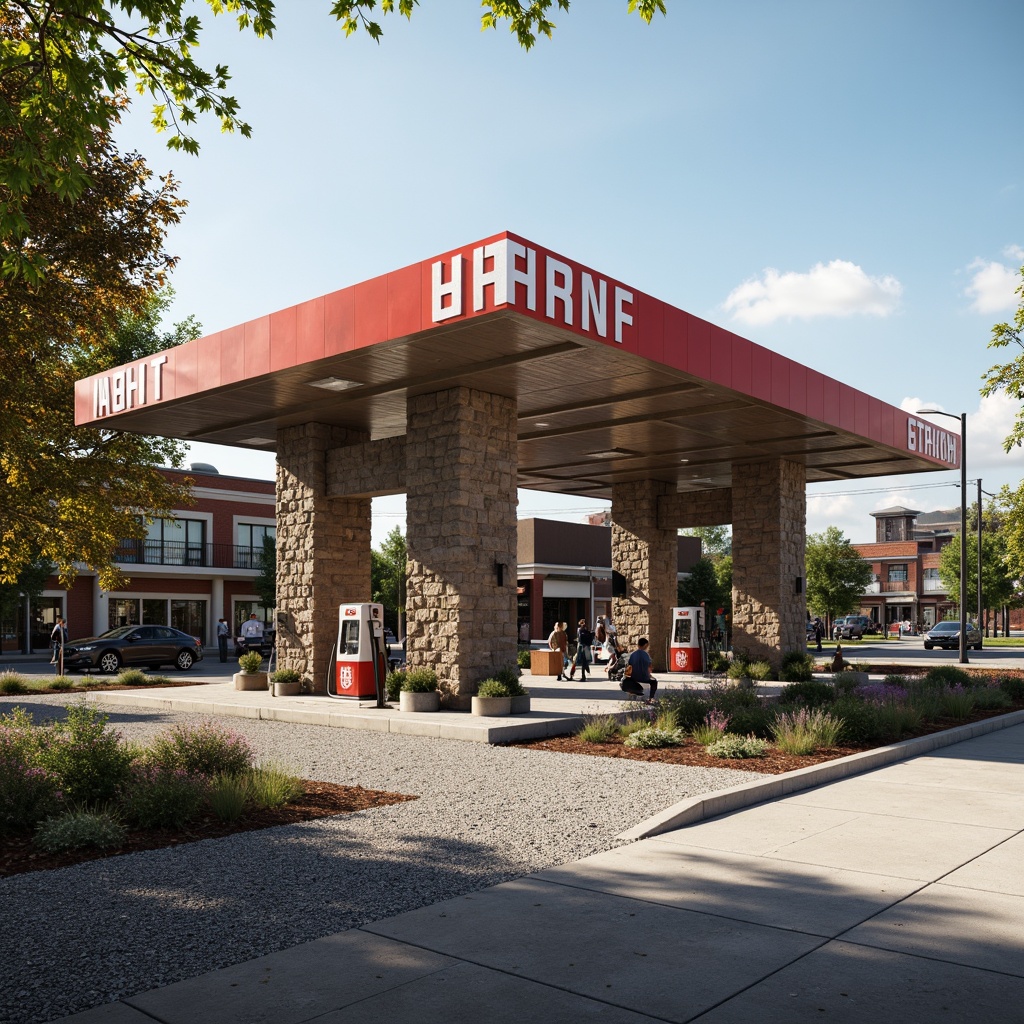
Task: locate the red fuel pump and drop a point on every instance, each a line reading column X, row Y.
column 685, row 641
column 361, row 659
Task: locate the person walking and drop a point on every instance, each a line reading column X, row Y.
column 559, row 641
column 600, row 637
column 818, row 632
column 222, row 639
column 584, row 641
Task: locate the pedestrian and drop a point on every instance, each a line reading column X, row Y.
column 559, row 641
column 638, row 671
column 222, row 639
column 252, row 628
column 818, row 632
column 600, row 637
column 584, row 641
column 58, row 638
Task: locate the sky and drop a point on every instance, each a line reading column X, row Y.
column 841, row 183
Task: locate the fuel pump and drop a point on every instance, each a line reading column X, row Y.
column 685, row 640
column 360, row 657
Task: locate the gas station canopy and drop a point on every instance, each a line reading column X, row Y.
column 612, row 385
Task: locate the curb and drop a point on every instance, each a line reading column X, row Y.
column 710, row 805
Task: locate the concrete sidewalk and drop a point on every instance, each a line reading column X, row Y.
column 893, row 896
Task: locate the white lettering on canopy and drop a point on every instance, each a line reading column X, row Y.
column 125, row 388
column 509, row 269
column 929, row 439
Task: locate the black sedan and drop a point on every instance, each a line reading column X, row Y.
column 151, row 646
column 947, row 635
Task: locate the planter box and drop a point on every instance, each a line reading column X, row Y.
column 288, row 689
column 521, row 705
column 419, row 701
column 492, row 707
column 251, row 681
column 545, row 663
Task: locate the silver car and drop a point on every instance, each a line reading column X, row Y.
column 947, row 635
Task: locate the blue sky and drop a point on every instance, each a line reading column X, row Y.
column 843, row 183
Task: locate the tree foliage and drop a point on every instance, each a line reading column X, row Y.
column 836, row 573
column 1009, row 377
column 31, row 582
column 715, row 541
column 996, row 582
column 701, row 587
column 68, row 64
column 387, row 577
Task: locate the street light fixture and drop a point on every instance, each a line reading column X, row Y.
column 963, row 522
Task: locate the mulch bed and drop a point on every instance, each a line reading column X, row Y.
column 773, row 762
column 320, row 800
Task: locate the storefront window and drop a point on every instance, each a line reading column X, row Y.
column 189, row 617
column 44, row 616
column 123, row 612
column 154, row 611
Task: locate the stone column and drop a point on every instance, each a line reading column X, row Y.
column 769, row 508
column 323, row 549
column 461, row 466
column 648, row 556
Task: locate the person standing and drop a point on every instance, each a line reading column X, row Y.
column 58, row 638
column 818, row 632
column 559, row 641
column 222, row 639
column 600, row 637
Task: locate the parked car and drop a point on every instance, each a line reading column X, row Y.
column 396, row 650
column 947, row 636
column 151, row 646
column 853, row 627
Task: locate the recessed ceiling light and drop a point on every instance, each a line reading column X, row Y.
column 542, row 424
column 684, row 460
column 257, row 440
column 334, row 384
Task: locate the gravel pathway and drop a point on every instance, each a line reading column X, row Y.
column 89, row 934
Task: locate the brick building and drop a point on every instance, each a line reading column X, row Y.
column 186, row 572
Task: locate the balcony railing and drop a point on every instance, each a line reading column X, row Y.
column 179, row 552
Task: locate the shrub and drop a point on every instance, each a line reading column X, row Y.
column 812, row 693
column 651, row 737
column 860, row 720
column 271, row 786
column 420, row 680
column 598, row 729
column 990, row 698
column 13, row 683
column 287, row 675
column 28, row 794
column 634, row 724
column 738, row 747
column 804, row 731
column 894, row 679
column 753, row 720
column 157, row 681
column 738, row 669
column 131, row 677
column 393, row 683
column 206, row 749
column 956, row 702
column 1012, row 685
column 61, row 684
column 717, row 662
column 492, row 688
column 227, row 796
column 760, row 671
column 507, row 674
column 250, row 661
column 894, row 718
column 523, row 659
column 797, row 667
column 948, row 675
column 78, row 829
column 158, row 797
column 687, row 707
column 845, row 682
column 89, row 761
column 711, row 729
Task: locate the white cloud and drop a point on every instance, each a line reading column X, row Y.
column 839, row 288
column 993, row 285
column 1014, row 252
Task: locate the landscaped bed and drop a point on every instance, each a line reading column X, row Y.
column 14, row 684
column 73, row 790
column 811, row 721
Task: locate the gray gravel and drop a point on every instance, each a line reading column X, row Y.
column 90, row 934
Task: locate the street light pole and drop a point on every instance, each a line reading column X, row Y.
column 979, row 552
column 963, row 522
